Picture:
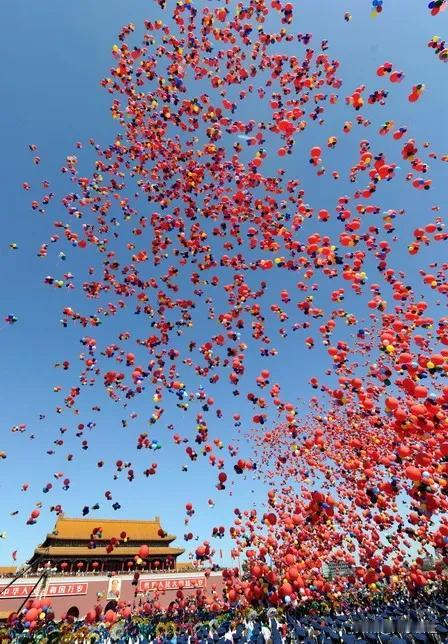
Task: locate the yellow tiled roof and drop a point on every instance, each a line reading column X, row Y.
column 92, row 553
column 7, row 570
column 67, row 528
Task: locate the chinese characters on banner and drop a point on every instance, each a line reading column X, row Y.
column 151, row 585
column 53, row 590
column 67, row 589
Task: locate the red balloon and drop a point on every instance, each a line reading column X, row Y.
column 90, row 616
column 31, row 614
column 110, row 616
column 413, row 473
column 143, row 551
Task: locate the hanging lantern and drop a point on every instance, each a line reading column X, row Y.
column 64, row 565
column 130, row 564
column 95, row 565
column 80, row 565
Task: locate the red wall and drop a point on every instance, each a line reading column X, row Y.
column 65, row 591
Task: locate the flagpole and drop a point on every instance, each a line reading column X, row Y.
column 44, row 574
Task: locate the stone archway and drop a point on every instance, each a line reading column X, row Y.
column 73, row 611
column 112, row 605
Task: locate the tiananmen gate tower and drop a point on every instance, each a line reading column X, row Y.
column 83, row 562
column 88, row 545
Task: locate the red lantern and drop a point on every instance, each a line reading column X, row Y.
column 95, row 565
column 130, row 564
column 64, row 565
column 80, row 565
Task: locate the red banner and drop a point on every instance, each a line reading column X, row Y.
column 154, row 585
column 16, row 590
column 63, row 590
column 53, row 590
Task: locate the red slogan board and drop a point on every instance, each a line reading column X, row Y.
column 53, row 590
column 151, row 585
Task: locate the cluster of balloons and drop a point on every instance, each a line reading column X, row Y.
column 436, row 6
column 190, row 222
column 377, row 7
column 142, row 619
column 440, row 48
column 34, row 615
column 34, row 515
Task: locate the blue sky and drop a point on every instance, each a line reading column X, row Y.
column 54, row 55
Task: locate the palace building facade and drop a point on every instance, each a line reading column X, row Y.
column 105, row 545
column 83, row 562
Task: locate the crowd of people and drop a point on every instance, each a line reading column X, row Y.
column 403, row 617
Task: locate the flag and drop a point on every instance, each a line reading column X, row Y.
column 14, row 555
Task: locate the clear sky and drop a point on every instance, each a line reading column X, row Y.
column 54, row 55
